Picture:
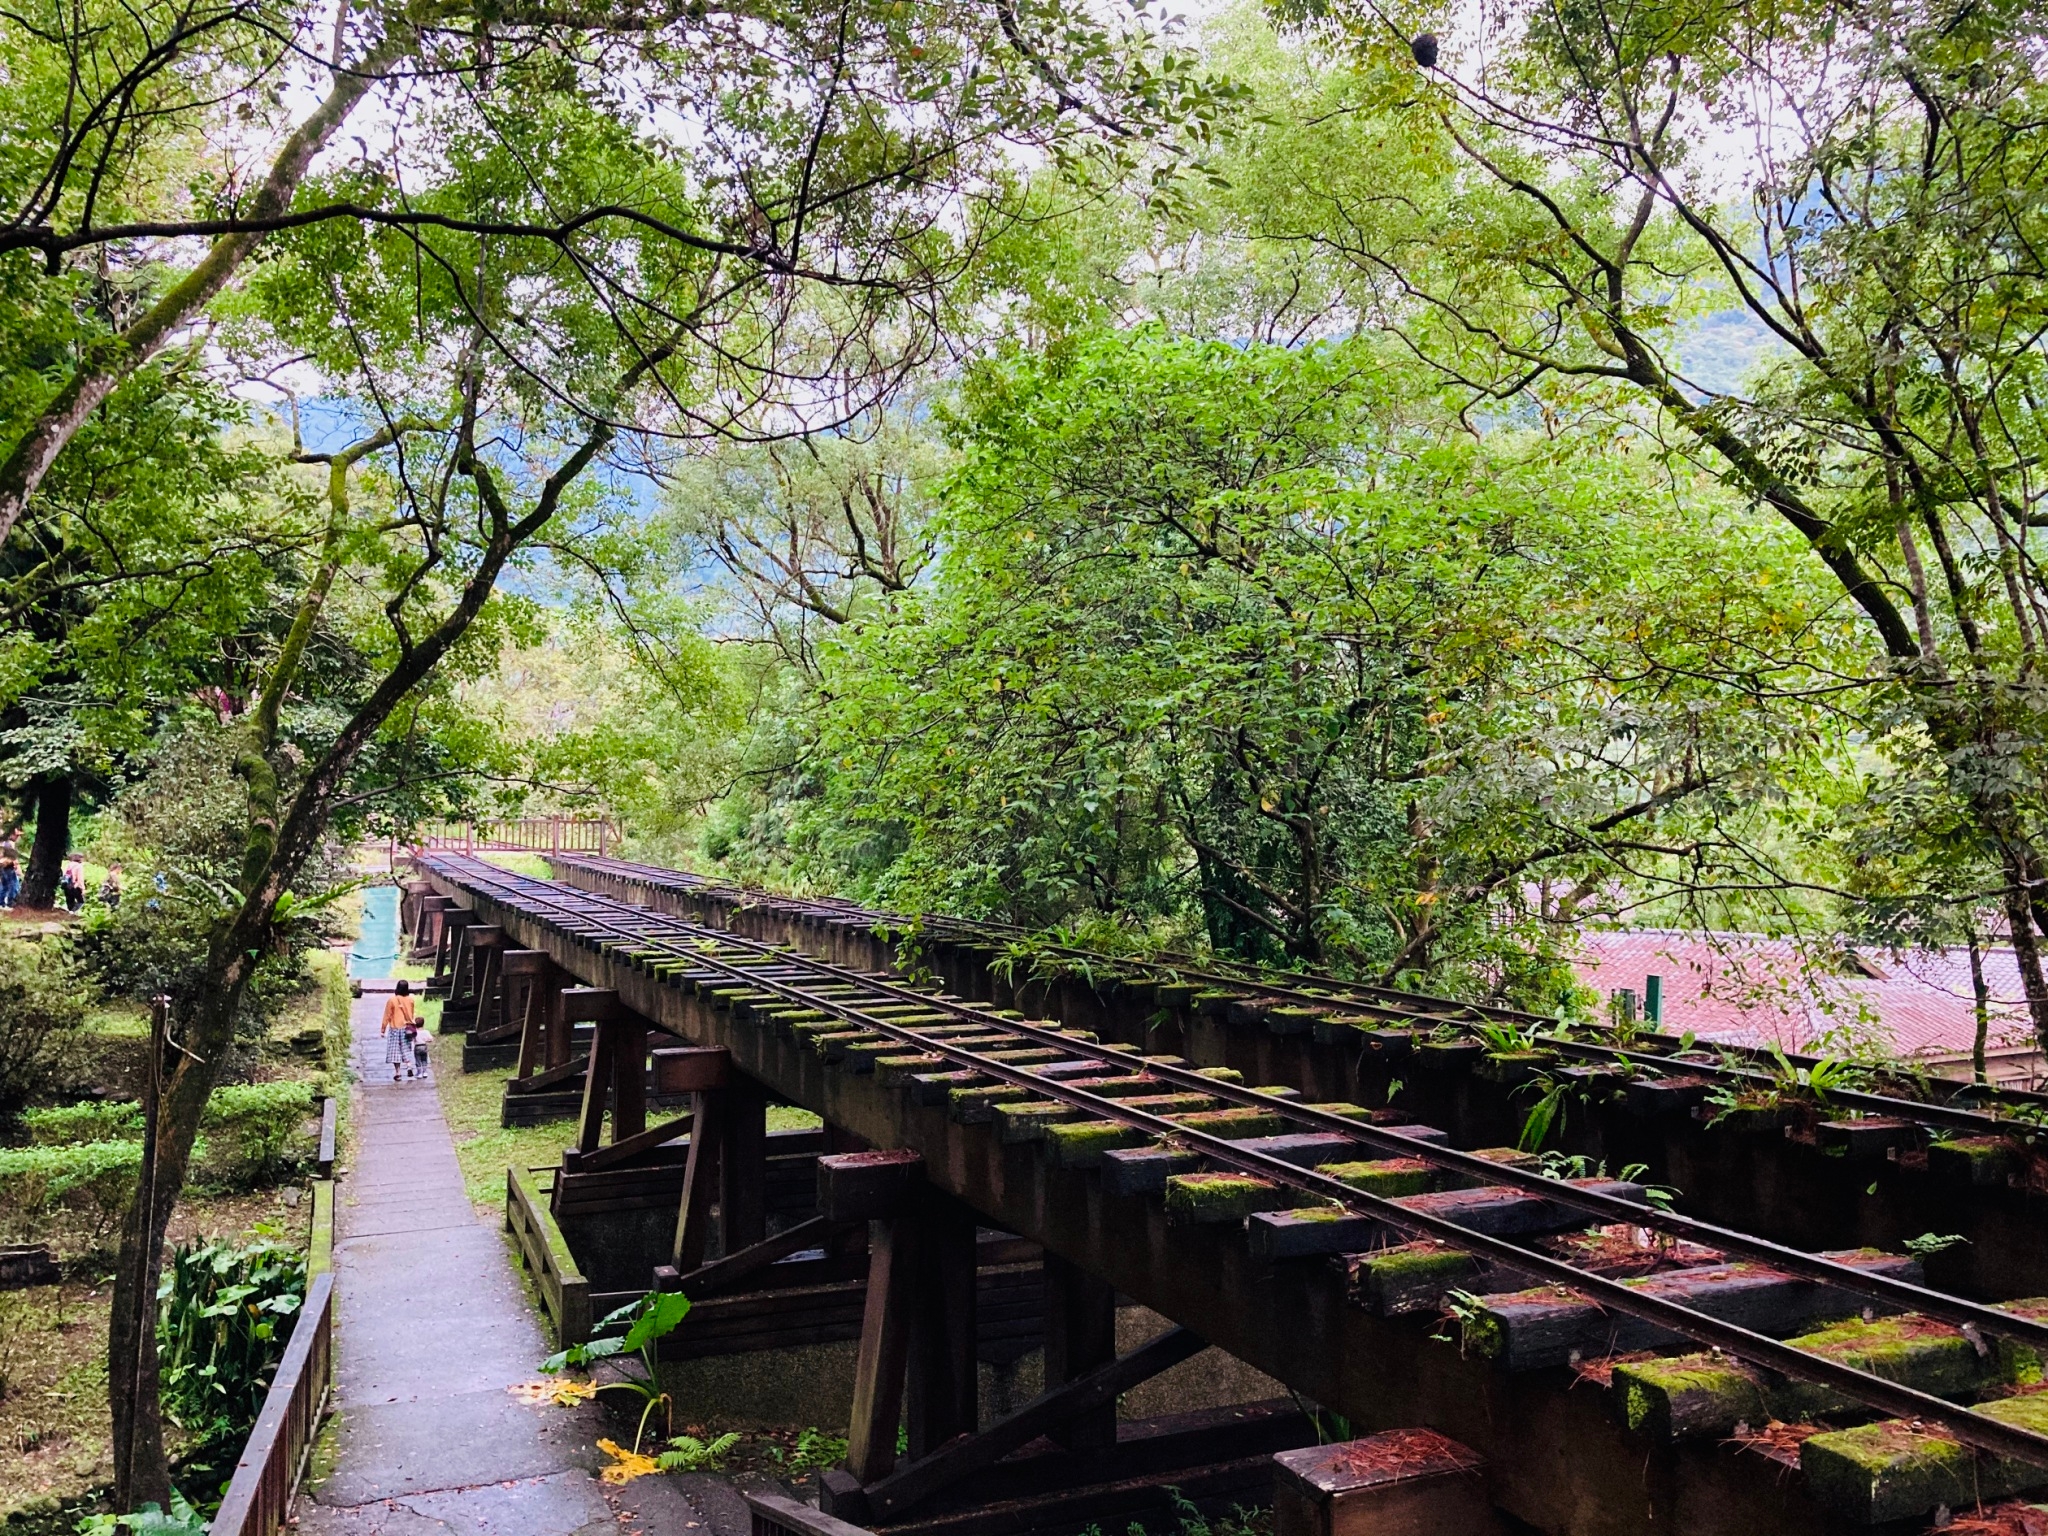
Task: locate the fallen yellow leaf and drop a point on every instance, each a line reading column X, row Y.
column 563, row 1394
column 626, row 1465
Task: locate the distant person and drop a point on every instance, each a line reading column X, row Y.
column 110, row 888
column 10, row 868
column 71, row 883
column 401, row 1021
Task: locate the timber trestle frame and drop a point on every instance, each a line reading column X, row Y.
column 1258, row 1221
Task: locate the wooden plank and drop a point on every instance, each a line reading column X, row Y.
column 258, row 1498
column 940, row 1394
column 629, row 1078
column 564, row 1292
column 773, row 1515
column 320, row 1233
column 323, row 1160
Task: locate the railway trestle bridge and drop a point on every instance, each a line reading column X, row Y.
column 1719, row 1310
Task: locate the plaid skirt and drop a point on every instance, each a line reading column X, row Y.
column 398, row 1047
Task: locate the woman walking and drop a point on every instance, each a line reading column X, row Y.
column 400, row 1020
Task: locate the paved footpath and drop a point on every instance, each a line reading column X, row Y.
column 434, row 1332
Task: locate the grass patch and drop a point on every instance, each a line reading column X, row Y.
column 533, row 865
column 472, row 1101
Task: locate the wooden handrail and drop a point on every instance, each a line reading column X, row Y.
column 259, row 1499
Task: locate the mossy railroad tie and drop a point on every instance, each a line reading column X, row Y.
column 1412, row 1277
column 1026, row 1121
column 1546, row 1326
column 1313, row 1231
column 1203, row 1198
column 897, row 1071
column 1891, row 1471
column 1145, row 1170
column 1509, row 1213
column 977, row 1105
column 1083, row 1143
column 1387, row 1177
column 835, row 1048
column 1510, row 1069
column 1689, row 1397
column 1912, row 1350
column 1245, row 1124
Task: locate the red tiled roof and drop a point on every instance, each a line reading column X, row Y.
column 1748, row 990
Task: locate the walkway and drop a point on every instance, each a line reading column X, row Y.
column 434, row 1332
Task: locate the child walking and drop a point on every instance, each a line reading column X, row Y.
column 400, row 1023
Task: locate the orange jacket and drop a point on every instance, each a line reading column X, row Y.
column 399, row 1014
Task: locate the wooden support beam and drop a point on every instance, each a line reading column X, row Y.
column 532, row 970
column 551, row 1077
column 597, row 1083
column 622, row 1152
column 629, row 1077
column 866, row 1186
column 884, row 1350
column 941, row 1393
column 898, row 1491
column 691, row 1068
column 590, row 1005
column 725, row 1273
column 743, row 1165
column 1080, row 1337
column 693, row 1214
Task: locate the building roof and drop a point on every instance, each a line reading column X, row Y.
column 1745, row 989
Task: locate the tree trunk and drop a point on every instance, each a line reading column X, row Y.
column 142, row 1473
column 52, row 796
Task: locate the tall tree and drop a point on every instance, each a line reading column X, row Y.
column 1861, row 188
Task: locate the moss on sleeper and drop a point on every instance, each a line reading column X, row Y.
column 1887, row 1471
column 1688, row 1396
column 1081, row 1143
column 1410, row 1277
column 1911, row 1350
column 1027, row 1122
column 1231, row 1124
column 1217, row 1197
column 1221, row 1074
column 1389, row 1177
column 894, row 1069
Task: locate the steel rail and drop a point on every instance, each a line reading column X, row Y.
column 1405, row 1006
column 1872, row 1391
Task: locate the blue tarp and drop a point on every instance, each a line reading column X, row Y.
column 376, row 949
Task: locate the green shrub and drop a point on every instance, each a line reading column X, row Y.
column 42, row 1011
column 88, row 1184
column 114, row 1120
column 254, row 1130
column 330, row 973
column 227, row 1312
